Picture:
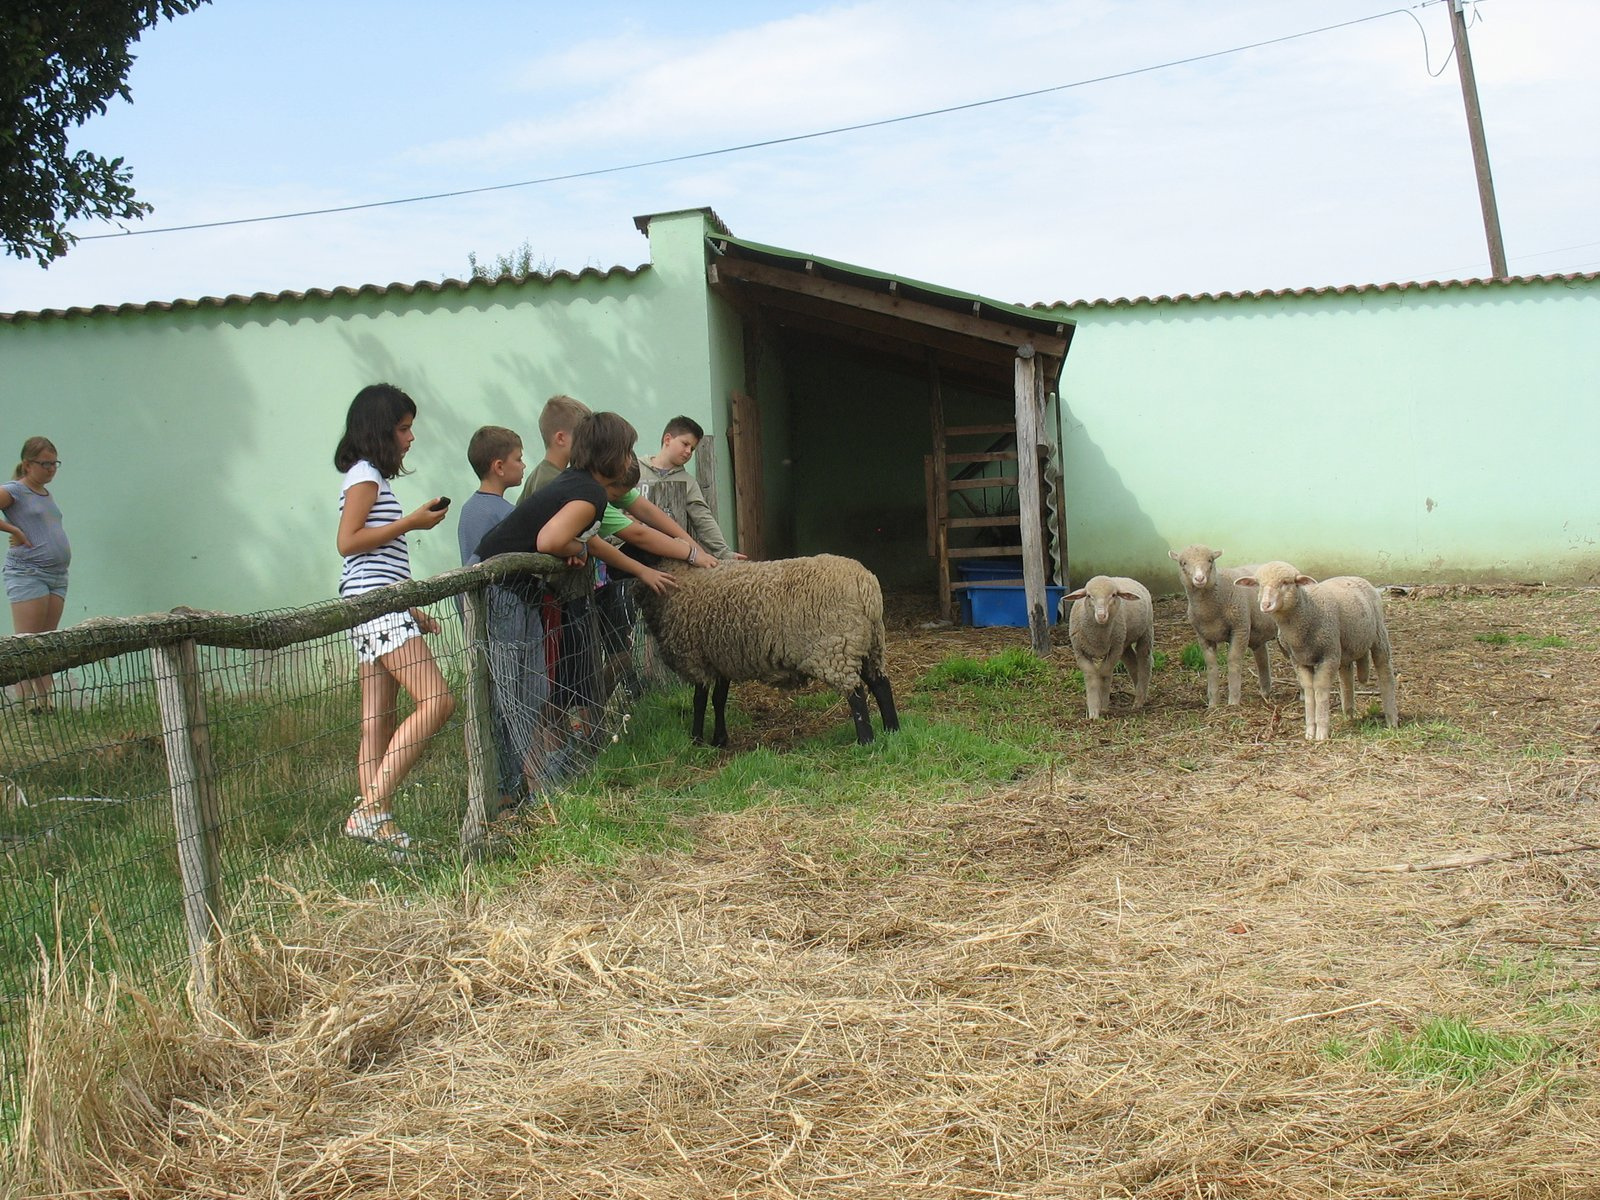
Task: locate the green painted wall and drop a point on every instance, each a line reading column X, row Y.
column 1404, row 434
column 725, row 364
column 198, row 444
column 1439, row 434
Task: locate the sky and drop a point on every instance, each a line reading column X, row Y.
column 1338, row 157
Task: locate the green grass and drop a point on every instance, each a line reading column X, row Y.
column 1509, row 972
column 1549, row 641
column 645, row 793
column 1008, row 668
column 1194, row 658
column 1416, row 735
column 1337, row 1049
column 1547, row 751
column 1453, row 1050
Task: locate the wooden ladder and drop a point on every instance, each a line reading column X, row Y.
column 968, row 479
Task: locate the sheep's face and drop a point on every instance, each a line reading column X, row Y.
column 1279, row 585
column 1196, row 564
column 1100, row 596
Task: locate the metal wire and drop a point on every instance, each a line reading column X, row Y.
column 93, row 862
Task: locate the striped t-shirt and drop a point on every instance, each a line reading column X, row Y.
column 390, row 562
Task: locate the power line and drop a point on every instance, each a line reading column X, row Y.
column 779, row 141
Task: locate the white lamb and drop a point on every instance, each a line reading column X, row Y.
column 1220, row 612
column 1112, row 618
column 1335, row 625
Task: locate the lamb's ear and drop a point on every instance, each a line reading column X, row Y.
column 1129, row 596
column 1246, row 581
column 1173, row 555
column 1077, row 595
column 1216, row 554
column 1304, row 580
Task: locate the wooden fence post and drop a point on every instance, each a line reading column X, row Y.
column 1029, row 403
column 192, row 781
column 482, row 759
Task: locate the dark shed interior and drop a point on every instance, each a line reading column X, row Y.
column 850, row 377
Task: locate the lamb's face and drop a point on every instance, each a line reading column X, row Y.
column 1279, row 585
column 1196, row 564
column 1101, row 596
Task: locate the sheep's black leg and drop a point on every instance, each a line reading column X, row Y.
column 698, row 730
column 861, row 714
column 884, row 694
column 719, row 707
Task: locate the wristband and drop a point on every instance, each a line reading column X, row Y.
column 692, row 551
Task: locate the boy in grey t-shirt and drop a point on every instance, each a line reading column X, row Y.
column 518, row 677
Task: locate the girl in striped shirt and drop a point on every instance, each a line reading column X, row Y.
column 390, row 652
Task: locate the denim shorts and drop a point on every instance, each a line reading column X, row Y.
column 34, row 583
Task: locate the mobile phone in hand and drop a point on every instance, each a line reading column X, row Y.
column 439, row 505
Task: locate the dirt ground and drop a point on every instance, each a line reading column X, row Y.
column 1155, row 967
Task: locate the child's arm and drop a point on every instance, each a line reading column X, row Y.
column 703, row 523
column 637, row 533
column 654, row 516
column 559, row 535
column 616, row 560
column 356, row 538
column 18, row 538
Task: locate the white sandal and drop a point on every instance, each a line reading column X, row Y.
column 379, row 830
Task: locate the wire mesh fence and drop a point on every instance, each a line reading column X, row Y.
column 186, row 755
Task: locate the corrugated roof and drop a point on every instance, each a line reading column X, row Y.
column 366, row 289
column 929, row 293
column 1349, row 289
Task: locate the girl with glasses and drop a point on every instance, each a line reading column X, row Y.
column 38, row 557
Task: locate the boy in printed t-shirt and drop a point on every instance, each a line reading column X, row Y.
column 666, row 481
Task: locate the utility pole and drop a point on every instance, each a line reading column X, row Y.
column 1480, row 148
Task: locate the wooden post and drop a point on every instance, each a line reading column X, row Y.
column 705, row 474
column 1029, row 496
column 1480, row 145
column 749, row 484
column 940, row 499
column 192, row 783
column 482, row 758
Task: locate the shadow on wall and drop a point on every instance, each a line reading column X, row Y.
column 1107, row 532
column 611, row 369
column 154, row 437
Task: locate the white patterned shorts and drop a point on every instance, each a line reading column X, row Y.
column 377, row 637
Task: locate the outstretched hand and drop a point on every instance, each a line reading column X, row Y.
column 658, row 582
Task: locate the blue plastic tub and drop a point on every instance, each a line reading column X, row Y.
column 1005, row 604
